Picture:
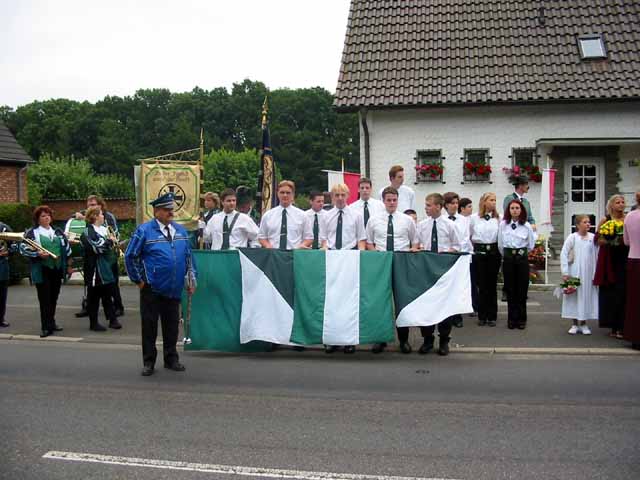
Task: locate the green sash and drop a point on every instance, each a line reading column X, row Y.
column 55, row 247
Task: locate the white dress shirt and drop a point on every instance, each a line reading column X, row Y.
column 404, row 231
column 483, row 230
column 163, row 229
column 448, row 237
column 44, row 232
column 374, row 206
column 462, row 224
column 352, row 228
column 522, row 236
column 406, row 198
column 307, row 233
column 243, row 232
column 270, row 226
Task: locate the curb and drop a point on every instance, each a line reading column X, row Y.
column 621, row 351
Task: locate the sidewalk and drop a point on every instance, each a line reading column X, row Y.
column 546, row 332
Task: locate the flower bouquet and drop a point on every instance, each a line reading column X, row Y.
column 570, row 285
column 612, row 231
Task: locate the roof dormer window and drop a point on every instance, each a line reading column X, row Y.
column 591, row 47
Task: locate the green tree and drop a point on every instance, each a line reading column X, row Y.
column 227, row 169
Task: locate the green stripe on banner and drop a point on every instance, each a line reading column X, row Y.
column 216, row 304
column 376, row 312
column 309, row 280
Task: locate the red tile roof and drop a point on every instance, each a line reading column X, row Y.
column 401, row 53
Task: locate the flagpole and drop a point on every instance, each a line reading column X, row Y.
column 546, row 243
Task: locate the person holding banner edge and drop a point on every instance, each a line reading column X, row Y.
column 160, row 262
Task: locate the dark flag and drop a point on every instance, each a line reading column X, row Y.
column 267, row 187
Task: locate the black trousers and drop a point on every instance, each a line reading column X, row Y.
column 474, row 286
column 94, row 295
column 487, row 267
column 153, row 307
column 4, row 289
column 516, row 282
column 115, row 291
column 444, row 331
column 48, row 292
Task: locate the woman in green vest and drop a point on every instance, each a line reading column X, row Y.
column 50, row 264
column 99, row 278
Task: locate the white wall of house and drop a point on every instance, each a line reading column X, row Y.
column 395, row 135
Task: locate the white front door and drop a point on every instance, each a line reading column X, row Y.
column 583, row 191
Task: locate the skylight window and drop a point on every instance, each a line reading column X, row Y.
column 591, row 46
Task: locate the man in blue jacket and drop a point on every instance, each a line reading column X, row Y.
column 159, row 261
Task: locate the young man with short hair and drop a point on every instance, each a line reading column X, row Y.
column 406, row 196
column 391, row 231
column 367, row 206
column 313, row 233
column 230, row 229
column 282, row 226
column 437, row 234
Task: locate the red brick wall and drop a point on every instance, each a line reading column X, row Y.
column 9, row 184
column 63, row 209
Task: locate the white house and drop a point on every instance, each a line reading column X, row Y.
column 498, row 83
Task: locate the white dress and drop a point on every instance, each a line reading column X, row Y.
column 582, row 305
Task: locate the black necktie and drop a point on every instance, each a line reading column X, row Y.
column 366, row 213
column 513, row 226
column 168, row 232
column 434, row 238
column 452, row 217
column 487, row 217
column 390, row 234
column 316, row 232
column 283, row 230
column 225, row 233
column 339, row 232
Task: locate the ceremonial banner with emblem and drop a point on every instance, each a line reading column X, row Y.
column 180, row 178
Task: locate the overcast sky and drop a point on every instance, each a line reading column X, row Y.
column 85, row 50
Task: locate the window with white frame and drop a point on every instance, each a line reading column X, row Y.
column 591, row 47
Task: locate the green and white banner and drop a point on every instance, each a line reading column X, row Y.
column 429, row 287
column 248, row 297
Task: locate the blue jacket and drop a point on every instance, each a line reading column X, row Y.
column 165, row 266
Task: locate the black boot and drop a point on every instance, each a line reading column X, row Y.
column 443, row 349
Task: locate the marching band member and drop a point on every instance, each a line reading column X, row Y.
column 406, row 196
column 211, row 207
column 367, row 206
column 437, row 234
column 465, row 208
column 486, row 259
column 159, row 261
column 515, row 239
column 451, row 204
column 4, row 274
column 230, row 229
column 282, row 226
column 391, row 231
column 99, row 257
column 49, row 253
column 313, row 230
column 343, row 229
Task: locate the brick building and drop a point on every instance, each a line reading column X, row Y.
column 13, row 168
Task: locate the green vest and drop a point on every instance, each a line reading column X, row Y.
column 55, row 247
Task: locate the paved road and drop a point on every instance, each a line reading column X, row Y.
column 545, row 327
column 461, row 417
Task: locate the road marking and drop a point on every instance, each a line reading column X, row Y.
column 223, row 469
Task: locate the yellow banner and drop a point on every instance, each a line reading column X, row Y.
column 180, row 178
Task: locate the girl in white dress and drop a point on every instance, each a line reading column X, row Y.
column 578, row 259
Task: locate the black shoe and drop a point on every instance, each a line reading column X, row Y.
column 378, row 347
column 443, row 350
column 176, row 367
column 98, row 327
column 330, row 348
column 56, row 328
column 635, row 346
column 458, row 323
column 147, row 371
column 115, row 325
column 482, row 323
column 511, row 326
column 425, row 348
column 82, row 313
column 273, row 347
column 119, row 312
column 491, row 323
column 405, row 347
column 45, row 333
column 350, row 349
column 473, row 314
column 299, row 348
column 522, row 326
column 4, row 324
